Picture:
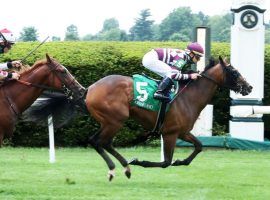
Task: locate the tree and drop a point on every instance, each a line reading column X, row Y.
column 55, row 38
column 113, row 35
column 178, row 37
column 89, row 37
column 111, row 31
column 203, row 18
column 109, row 24
column 182, row 21
column 72, row 33
column 142, row 30
column 28, row 34
column 220, row 27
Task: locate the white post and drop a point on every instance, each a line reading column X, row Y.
column 51, row 139
column 204, row 124
column 161, row 149
column 247, row 55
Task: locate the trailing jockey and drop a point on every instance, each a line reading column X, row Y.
column 170, row 63
column 6, row 41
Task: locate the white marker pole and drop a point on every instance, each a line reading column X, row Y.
column 161, row 149
column 51, row 139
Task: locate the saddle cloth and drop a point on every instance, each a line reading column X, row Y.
column 144, row 89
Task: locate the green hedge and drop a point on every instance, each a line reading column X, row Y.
column 90, row 61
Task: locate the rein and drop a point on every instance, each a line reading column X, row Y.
column 203, row 75
column 179, row 92
column 38, row 85
column 211, row 79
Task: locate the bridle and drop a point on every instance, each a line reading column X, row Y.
column 40, row 85
column 54, row 68
column 223, row 82
column 205, row 75
column 211, row 79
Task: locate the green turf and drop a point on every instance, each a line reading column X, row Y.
column 25, row 173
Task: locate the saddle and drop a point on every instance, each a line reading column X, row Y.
column 144, row 88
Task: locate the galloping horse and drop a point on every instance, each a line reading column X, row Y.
column 108, row 100
column 17, row 95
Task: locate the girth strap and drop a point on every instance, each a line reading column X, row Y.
column 160, row 117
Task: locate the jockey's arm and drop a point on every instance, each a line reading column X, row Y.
column 9, row 65
column 4, row 66
column 11, row 75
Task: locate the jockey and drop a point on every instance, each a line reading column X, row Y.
column 6, row 41
column 169, row 64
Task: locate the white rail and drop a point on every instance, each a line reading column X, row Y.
column 249, row 111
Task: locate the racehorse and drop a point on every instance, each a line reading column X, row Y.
column 17, row 95
column 108, row 101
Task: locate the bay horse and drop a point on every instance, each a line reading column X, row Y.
column 17, row 95
column 108, row 101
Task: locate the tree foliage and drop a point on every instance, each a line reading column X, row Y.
column 179, row 25
column 110, row 24
column 28, row 34
column 142, row 29
column 181, row 21
column 220, row 27
column 72, row 33
column 111, row 31
column 56, row 38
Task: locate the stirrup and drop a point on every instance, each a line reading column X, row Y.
column 161, row 96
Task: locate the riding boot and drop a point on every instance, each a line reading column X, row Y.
column 163, row 91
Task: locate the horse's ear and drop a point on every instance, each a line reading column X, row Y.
column 221, row 61
column 49, row 60
column 226, row 62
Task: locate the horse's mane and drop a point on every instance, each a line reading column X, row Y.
column 211, row 63
column 26, row 69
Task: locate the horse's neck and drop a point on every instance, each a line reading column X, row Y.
column 24, row 95
column 198, row 95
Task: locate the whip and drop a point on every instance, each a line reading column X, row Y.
column 33, row 50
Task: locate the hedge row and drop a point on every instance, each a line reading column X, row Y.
column 90, row 61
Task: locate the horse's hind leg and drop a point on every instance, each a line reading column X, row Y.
column 119, row 157
column 95, row 142
column 169, row 142
column 198, row 148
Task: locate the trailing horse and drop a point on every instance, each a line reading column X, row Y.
column 17, row 95
column 109, row 102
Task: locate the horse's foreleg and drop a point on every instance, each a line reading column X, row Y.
column 169, row 145
column 95, row 142
column 198, row 148
column 119, row 157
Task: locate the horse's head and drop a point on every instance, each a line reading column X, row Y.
column 71, row 85
column 233, row 79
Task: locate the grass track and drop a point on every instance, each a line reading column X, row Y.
column 25, row 173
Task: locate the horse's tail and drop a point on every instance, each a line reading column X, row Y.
column 56, row 104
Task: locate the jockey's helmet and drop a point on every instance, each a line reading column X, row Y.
column 195, row 48
column 8, row 36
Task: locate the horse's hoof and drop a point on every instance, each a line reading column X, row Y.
column 179, row 162
column 133, row 161
column 127, row 172
column 111, row 175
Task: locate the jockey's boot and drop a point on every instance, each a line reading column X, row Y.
column 163, row 91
